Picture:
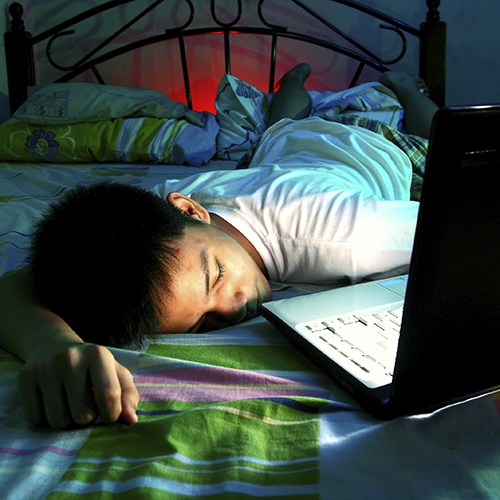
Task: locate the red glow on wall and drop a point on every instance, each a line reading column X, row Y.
column 203, row 92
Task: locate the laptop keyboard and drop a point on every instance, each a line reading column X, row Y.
column 369, row 342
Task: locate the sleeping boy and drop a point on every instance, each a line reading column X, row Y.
column 112, row 265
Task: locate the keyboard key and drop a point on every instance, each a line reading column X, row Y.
column 370, row 341
column 316, row 327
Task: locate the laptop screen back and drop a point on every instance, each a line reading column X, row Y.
column 452, row 313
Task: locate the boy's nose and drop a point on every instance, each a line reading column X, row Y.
column 234, row 308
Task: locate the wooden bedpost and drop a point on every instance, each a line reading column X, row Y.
column 19, row 58
column 433, row 53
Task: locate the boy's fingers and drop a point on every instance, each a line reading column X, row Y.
column 105, row 383
column 31, row 400
column 57, row 412
column 76, row 385
column 43, row 397
column 130, row 395
column 115, row 393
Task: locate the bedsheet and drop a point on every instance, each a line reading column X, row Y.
column 237, row 413
column 26, row 189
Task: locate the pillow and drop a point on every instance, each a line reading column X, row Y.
column 241, row 114
column 242, row 111
column 58, row 103
column 84, row 122
column 123, row 140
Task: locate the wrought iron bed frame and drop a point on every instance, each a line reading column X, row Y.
column 21, row 68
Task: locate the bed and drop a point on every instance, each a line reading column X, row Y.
column 239, row 412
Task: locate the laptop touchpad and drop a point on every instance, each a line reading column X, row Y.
column 396, row 285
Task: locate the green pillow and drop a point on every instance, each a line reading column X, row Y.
column 124, row 140
column 85, row 122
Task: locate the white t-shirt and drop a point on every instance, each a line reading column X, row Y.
column 320, row 202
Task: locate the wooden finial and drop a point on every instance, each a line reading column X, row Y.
column 16, row 11
column 433, row 12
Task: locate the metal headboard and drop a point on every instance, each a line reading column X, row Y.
column 21, row 69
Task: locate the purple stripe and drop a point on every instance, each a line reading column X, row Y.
column 214, row 375
column 219, row 376
column 200, row 393
column 51, row 449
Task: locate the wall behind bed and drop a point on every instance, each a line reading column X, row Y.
column 472, row 66
column 473, row 48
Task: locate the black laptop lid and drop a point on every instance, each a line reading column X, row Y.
column 450, row 341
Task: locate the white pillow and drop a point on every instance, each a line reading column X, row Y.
column 67, row 103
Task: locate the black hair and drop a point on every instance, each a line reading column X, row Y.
column 100, row 258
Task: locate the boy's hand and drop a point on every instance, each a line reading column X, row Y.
column 64, row 381
column 74, row 384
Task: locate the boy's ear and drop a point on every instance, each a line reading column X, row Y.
column 188, row 206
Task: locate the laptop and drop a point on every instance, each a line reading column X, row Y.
column 440, row 324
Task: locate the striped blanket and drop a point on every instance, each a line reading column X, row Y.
column 211, row 425
column 242, row 414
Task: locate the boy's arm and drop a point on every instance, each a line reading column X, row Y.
column 64, row 379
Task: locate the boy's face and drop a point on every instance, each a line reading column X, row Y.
column 218, row 283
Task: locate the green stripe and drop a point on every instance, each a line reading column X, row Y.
column 248, row 357
column 212, row 433
column 191, row 430
column 236, row 473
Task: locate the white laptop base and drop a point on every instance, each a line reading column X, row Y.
column 364, row 341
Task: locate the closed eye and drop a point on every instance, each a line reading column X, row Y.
column 222, row 271
column 202, row 326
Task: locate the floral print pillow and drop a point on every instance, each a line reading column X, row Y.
column 42, row 145
column 123, row 140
